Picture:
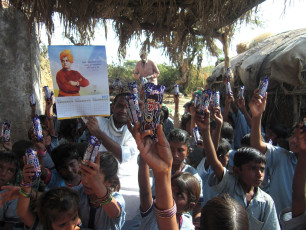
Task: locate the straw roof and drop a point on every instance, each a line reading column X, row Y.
column 176, row 24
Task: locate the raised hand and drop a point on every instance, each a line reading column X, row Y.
column 257, row 104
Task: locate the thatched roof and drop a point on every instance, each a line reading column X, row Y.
column 176, row 24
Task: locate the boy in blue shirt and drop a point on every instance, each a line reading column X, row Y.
column 243, row 185
column 281, row 163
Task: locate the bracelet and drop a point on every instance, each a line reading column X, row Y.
column 168, row 213
column 104, row 200
column 25, row 184
column 25, row 194
column 107, row 201
column 42, row 153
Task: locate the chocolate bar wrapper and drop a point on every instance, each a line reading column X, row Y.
column 133, row 107
column 206, row 97
column 92, row 149
column 197, row 99
column 241, row 92
column 176, row 90
column 5, row 131
column 228, row 75
column 32, row 99
column 228, row 88
column 153, row 99
column 263, row 86
column 47, row 93
column 133, row 88
column 31, row 158
column 37, row 128
column 197, row 136
column 216, row 100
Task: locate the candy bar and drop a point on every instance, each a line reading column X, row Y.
column 47, row 93
column 216, row 101
column 37, row 128
column 197, row 136
column 263, row 86
column 133, row 108
column 206, row 97
column 92, row 149
column 31, row 158
column 5, row 131
column 241, row 92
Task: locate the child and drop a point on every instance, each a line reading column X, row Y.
column 101, row 205
column 249, row 167
column 158, row 156
column 281, row 163
column 9, row 165
column 224, row 212
column 66, row 172
column 56, row 209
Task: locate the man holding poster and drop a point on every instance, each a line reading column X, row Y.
column 69, row 81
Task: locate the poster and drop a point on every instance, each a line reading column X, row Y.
column 80, row 81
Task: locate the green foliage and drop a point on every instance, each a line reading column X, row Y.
column 124, row 73
column 169, row 76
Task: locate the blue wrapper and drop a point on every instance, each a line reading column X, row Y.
column 31, row 158
column 153, row 99
column 144, row 81
column 197, row 136
column 228, row 75
column 197, row 100
column 5, row 131
column 133, row 107
column 37, row 128
column 133, row 88
column 228, row 88
column 32, row 99
column 176, row 90
column 241, row 92
column 47, row 93
column 263, row 86
column 92, row 149
column 206, row 98
column 216, row 100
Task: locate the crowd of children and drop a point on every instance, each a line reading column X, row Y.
column 228, row 178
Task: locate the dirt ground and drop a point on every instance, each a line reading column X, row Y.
column 168, row 101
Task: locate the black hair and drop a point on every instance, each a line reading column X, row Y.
column 19, row 148
column 189, row 184
column 63, row 153
column 227, row 131
column 187, row 104
column 109, row 167
column 66, row 127
column 246, row 154
column 246, row 140
column 42, row 118
column 184, row 120
column 224, row 147
column 224, row 212
column 280, row 130
column 179, row 135
column 10, row 157
column 166, row 112
column 119, row 95
column 54, row 203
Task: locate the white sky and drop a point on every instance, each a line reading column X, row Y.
column 271, row 14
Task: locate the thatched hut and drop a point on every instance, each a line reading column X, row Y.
column 283, row 58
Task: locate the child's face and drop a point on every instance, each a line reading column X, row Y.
column 179, row 152
column 69, row 170
column 251, row 174
column 224, row 159
column 7, row 172
column 180, row 198
column 68, row 221
column 47, row 138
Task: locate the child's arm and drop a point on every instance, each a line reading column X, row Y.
column 203, row 123
column 49, row 116
column 23, row 205
column 257, row 106
column 192, row 120
column 241, row 105
column 299, row 179
column 176, row 112
column 144, row 185
column 216, row 134
column 95, row 180
column 228, row 102
column 33, row 110
column 158, row 156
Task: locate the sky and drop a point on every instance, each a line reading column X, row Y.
column 270, row 12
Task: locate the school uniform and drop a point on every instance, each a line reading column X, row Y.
column 204, row 174
column 280, row 169
column 289, row 223
column 148, row 221
column 261, row 209
column 97, row 216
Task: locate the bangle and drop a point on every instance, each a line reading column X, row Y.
column 104, row 200
column 25, row 184
column 42, row 153
column 25, row 194
column 168, row 213
column 101, row 203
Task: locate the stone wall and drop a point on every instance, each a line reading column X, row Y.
column 19, row 72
